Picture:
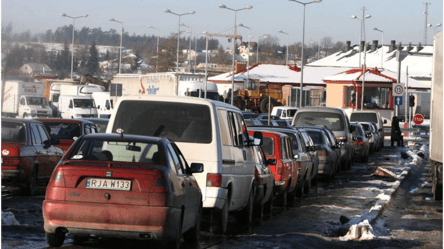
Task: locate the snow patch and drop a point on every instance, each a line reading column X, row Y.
column 361, row 231
column 8, row 219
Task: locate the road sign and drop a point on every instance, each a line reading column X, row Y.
column 418, row 119
column 398, row 100
column 398, row 89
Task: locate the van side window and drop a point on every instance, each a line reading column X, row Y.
column 242, row 133
column 224, row 128
column 22, row 101
column 234, row 129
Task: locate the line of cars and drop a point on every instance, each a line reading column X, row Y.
column 196, row 156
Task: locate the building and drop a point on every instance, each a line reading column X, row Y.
column 31, row 69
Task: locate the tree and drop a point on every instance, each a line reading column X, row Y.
column 167, row 58
column 92, row 65
column 137, row 62
column 327, row 43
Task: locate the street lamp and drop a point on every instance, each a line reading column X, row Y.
column 434, row 30
column 248, row 59
column 72, row 46
column 121, row 37
column 382, row 45
column 158, row 35
column 303, row 40
column 178, row 32
column 222, row 6
column 360, row 31
column 288, row 42
column 189, row 50
column 257, row 47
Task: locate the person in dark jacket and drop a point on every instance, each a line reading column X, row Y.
column 395, row 135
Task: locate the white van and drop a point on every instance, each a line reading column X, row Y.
column 206, row 131
column 104, row 104
column 284, row 112
column 77, row 107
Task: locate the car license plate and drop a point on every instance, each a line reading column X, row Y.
column 111, row 184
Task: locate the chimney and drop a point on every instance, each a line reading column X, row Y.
column 399, row 47
column 392, row 45
column 409, row 47
column 347, row 46
column 419, row 47
column 374, row 45
column 240, row 66
column 361, row 46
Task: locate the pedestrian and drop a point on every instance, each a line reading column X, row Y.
column 395, row 135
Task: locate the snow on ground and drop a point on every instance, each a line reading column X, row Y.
column 8, row 219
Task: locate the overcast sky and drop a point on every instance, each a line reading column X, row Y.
column 401, row 20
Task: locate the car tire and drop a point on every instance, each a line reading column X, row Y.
column 300, row 190
column 245, row 216
column 316, row 183
column 436, row 188
column 31, row 185
column 79, row 239
column 192, row 236
column 174, row 243
column 238, row 102
column 258, row 212
column 349, row 165
column 268, row 208
column 220, row 219
column 307, row 186
column 291, row 197
column 55, row 239
column 282, row 198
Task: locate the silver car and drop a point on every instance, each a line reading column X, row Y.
column 336, row 120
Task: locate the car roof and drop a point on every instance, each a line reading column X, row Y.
column 21, row 120
column 124, row 137
column 98, row 120
column 320, row 109
column 270, row 132
column 64, row 120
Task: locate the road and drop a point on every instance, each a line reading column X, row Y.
column 410, row 220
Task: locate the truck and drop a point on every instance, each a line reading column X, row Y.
column 61, row 89
column 436, row 142
column 72, row 106
column 104, row 103
column 25, row 99
column 181, row 84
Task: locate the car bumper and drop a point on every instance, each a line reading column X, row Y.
column 13, row 177
column 215, row 197
column 125, row 221
column 325, row 167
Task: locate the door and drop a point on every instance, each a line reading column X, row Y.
column 51, row 152
column 39, row 151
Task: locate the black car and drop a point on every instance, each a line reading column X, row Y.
column 101, row 123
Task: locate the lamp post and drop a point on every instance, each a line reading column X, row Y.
column 121, row 37
column 222, row 6
column 257, row 47
column 360, row 30
column 434, row 29
column 178, row 32
column 288, row 42
column 189, row 50
column 303, row 40
column 248, row 59
column 158, row 35
column 72, row 46
column 382, row 45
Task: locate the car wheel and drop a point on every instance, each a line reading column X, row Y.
column 300, row 190
column 291, row 197
column 316, row 182
column 268, row 209
column 258, row 212
column 349, row 165
column 79, row 239
column 192, row 236
column 245, row 216
column 55, row 239
column 174, row 243
column 436, row 188
column 31, row 185
column 220, row 219
column 307, row 186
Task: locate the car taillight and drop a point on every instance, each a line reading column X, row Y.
column 322, row 153
column 257, row 178
column 358, row 142
column 9, row 160
column 160, row 186
column 56, row 186
column 279, row 168
column 214, row 180
column 58, row 180
column 299, row 165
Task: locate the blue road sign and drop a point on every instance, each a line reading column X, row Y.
column 398, row 100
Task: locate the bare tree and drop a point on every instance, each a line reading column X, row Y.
column 327, row 43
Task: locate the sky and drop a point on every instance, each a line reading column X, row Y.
column 401, row 20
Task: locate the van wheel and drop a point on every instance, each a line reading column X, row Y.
column 31, row 185
column 245, row 216
column 220, row 219
column 25, row 115
column 55, row 239
column 192, row 236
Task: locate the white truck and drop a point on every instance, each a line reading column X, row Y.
column 25, row 99
column 104, row 103
column 70, row 90
column 166, row 84
column 436, row 142
column 72, row 106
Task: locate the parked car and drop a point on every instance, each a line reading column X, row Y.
column 264, row 185
column 370, row 136
column 328, row 160
column 67, row 130
column 283, row 123
column 265, row 122
column 101, row 123
column 284, row 112
column 264, row 116
column 278, row 151
column 370, row 116
column 377, row 135
column 149, row 180
column 252, row 122
column 206, row 131
column 28, row 154
column 361, row 146
column 336, row 120
column 249, row 115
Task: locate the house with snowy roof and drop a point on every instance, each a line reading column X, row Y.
column 31, row 69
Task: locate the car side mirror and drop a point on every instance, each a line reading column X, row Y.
column 385, row 121
column 47, row 143
column 55, row 141
column 196, row 168
column 271, row 161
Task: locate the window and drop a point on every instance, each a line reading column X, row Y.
column 284, row 149
column 224, row 129
column 36, row 135
column 40, row 101
column 333, row 121
column 268, row 146
column 179, row 167
column 13, row 132
column 43, row 133
column 55, row 98
column 288, row 147
column 316, row 136
column 22, row 101
column 327, row 138
column 84, row 103
column 63, row 130
column 87, row 129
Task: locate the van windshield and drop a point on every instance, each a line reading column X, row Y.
column 363, row 117
column 180, row 122
column 41, row 101
column 333, row 121
column 84, row 103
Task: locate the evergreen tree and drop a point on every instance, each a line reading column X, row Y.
column 137, row 62
column 92, row 65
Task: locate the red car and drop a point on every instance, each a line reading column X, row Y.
column 279, row 154
column 28, row 154
column 129, row 186
column 67, row 130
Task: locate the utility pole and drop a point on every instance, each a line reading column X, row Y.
column 426, row 13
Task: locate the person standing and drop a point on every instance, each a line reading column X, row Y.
column 395, row 132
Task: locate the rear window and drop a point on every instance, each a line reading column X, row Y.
column 316, row 136
column 60, row 130
column 333, row 121
column 366, row 127
column 13, row 132
column 101, row 127
column 180, row 122
column 268, row 146
column 363, row 117
column 358, row 131
column 116, row 151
